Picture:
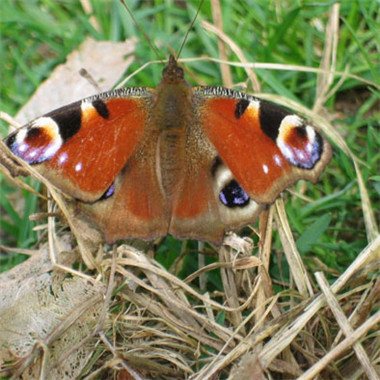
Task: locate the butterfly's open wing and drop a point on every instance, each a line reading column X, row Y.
column 208, row 201
column 250, row 151
column 266, row 147
column 100, row 152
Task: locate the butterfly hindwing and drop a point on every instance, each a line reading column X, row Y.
column 137, row 207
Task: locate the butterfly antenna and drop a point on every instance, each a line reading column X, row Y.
column 142, row 31
column 190, row 27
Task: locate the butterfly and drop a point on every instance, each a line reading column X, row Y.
column 192, row 162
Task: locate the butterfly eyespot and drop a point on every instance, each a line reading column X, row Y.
column 36, row 143
column 300, row 144
column 232, row 195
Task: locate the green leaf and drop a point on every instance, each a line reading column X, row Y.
column 312, row 234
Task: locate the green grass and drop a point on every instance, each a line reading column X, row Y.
column 38, row 35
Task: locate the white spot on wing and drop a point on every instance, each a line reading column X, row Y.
column 277, row 160
column 78, row 167
column 23, row 147
column 286, row 151
column 254, row 104
column 86, row 105
column 51, row 150
column 20, row 137
column 223, row 176
column 265, row 169
column 62, row 158
column 310, row 133
column 291, row 121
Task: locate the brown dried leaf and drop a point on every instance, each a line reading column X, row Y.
column 105, row 61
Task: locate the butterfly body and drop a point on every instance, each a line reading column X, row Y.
column 190, row 162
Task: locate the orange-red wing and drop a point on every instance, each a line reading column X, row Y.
column 265, row 147
column 195, row 208
column 82, row 147
column 137, row 209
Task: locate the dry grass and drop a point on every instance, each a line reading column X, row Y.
column 133, row 316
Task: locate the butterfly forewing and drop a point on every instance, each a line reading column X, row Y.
column 82, row 147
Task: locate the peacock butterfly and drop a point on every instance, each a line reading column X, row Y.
column 190, row 162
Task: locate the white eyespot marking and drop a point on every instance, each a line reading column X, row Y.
column 265, row 169
column 311, row 135
column 292, row 154
column 23, row 147
column 285, row 149
column 47, row 123
column 86, row 106
column 78, row 167
column 254, row 104
column 62, row 158
column 223, row 176
column 51, row 150
column 33, row 153
column 290, row 121
column 20, row 137
column 277, row 160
